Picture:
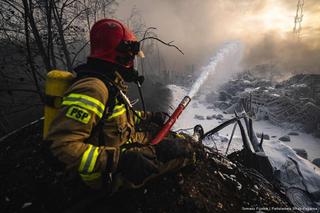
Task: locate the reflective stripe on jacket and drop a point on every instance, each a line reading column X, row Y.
column 76, row 138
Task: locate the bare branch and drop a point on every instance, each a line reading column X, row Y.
column 165, row 43
column 74, row 18
column 78, row 52
column 14, row 6
column 64, row 5
column 58, row 21
column 147, row 31
column 35, row 31
column 29, row 56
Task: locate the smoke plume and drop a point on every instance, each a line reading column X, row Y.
column 263, row 26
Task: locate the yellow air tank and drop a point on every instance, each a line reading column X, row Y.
column 57, row 83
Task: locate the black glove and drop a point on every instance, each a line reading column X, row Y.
column 136, row 164
column 158, row 118
column 171, row 149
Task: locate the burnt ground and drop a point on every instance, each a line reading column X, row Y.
column 213, row 184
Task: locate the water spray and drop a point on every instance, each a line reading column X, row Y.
column 211, row 67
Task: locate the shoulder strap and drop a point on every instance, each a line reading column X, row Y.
column 110, row 104
column 113, row 90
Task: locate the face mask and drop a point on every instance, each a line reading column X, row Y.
column 131, row 75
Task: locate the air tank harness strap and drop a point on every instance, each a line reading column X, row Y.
column 118, row 109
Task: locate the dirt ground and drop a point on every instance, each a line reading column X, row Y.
column 213, row 184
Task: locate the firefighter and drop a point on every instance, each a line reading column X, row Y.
column 96, row 133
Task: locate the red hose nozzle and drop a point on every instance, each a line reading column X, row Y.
column 171, row 121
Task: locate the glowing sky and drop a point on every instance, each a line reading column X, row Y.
column 199, row 27
column 278, row 16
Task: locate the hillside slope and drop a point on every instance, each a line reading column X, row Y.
column 213, row 184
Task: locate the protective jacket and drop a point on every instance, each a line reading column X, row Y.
column 92, row 125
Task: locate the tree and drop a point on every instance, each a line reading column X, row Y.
column 37, row 36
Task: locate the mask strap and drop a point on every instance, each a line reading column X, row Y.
column 141, row 96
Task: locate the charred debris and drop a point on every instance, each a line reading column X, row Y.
column 293, row 103
column 244, row 180
column 214, row 184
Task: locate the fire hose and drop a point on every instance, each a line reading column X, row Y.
column 171, row 121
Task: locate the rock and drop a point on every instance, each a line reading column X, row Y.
column 316, row 162
column 224, row 139
column 285, row 138
column 212, row 97
column 224, row 96
column 25, row 205
column 235, row 99
column 235, row 107
column 293, row 133
column 222, row 105
column 214, row 116
column 220, row 205
column 265, row 136
column 302, row 153
column 199, row 117
column 209, row 117
column 219, row 117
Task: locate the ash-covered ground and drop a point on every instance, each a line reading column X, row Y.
column 287, row 147
column 287, row 110
column 293, row 103
column 213, row 184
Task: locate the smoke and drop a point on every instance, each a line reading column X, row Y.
column 263, row 26
column 287, row 54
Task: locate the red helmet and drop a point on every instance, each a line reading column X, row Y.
column 111, row 41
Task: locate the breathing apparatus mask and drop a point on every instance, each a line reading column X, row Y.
column 132, row 49
column 131, row 76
